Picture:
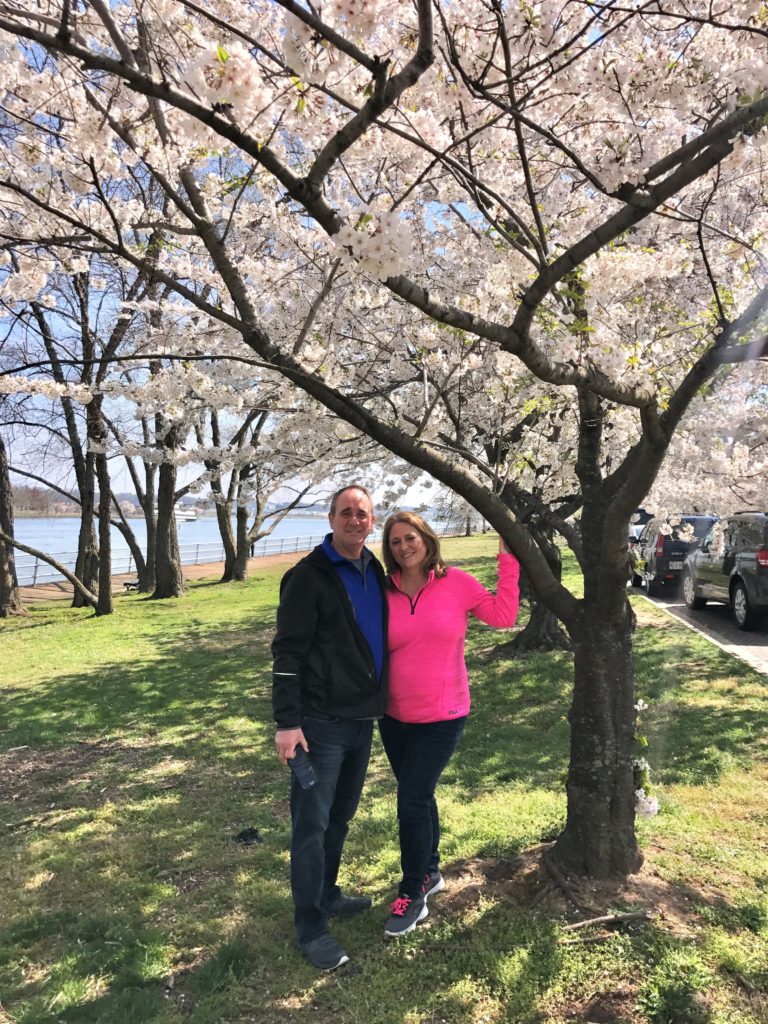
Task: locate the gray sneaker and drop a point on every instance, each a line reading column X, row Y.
column 433, row 883
column 324, row 952
column 404, row 914
column 346, row 906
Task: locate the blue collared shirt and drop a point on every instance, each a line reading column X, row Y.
column 362, row 584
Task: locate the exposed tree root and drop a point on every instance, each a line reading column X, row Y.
column 634, row 915
column 549, row 862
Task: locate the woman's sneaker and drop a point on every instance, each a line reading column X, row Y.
column 433, row 883
column 404, row 914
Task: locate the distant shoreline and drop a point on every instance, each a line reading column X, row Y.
column 207, row 514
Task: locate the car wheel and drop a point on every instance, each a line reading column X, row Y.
column 745, row 615
column 689, row 593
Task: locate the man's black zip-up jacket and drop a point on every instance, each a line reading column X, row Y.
column 321, row 660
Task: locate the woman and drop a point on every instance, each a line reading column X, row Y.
column 429, row 605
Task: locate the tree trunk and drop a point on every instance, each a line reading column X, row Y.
column 87, row 562
column 97, row 432
column 169, row 581
column 542, row 632
column 227, row 537
column 138, row 555
column 147, row 584
column 10, row 601
column 243, row 545
column 599, row 835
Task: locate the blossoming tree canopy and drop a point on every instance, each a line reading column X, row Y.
column 508, row 241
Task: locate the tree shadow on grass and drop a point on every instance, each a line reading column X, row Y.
column 190, row 678
column 152, row 767
column 707, row 711
column 122, row 792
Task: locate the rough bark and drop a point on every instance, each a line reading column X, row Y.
column 97, row 430
column 599, row 835
column 10, row 599
column 87, row 562
column 224, row 502
column 243, row 544
column 169, row 581
column 542, row 632
column 130, row 539
column 223, row 509
column 147, row 583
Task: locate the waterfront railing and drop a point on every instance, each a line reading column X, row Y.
column 33, row 571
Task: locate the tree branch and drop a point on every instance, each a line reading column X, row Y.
column 90, row 598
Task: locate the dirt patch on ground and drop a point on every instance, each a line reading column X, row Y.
column 39, row 782
column 24, row 771
column 525, row 882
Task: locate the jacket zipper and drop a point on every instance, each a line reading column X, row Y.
column 417, row 596
column 351, row 608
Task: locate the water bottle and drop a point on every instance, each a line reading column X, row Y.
column 302, row 768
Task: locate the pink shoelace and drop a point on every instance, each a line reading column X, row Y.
column 400, row 906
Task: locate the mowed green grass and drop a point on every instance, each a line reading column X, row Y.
column 134, row 748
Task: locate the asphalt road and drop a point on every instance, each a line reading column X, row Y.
column 716, row 622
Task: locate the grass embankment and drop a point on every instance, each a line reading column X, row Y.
column 135, row 747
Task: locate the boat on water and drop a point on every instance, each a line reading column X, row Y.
column 185, row 513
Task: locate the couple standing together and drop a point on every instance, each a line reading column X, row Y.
column 354, row 646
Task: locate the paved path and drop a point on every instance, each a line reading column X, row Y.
column 716, row 623
column 62, row 590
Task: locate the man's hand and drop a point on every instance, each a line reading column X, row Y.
column 286, row 741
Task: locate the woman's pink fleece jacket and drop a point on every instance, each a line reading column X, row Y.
column 427, row 673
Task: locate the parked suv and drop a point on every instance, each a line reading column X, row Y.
column 661, row 549
column 731, row 566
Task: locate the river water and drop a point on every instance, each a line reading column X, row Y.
column 58, row 534
column 199, row 541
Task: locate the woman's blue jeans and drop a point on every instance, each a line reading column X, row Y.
column 339, row 750
column 418, row 753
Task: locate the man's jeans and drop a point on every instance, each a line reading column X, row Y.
column 418, row 753
column 339, row 750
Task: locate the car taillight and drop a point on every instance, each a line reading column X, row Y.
column 762, row 557
column 660, row 546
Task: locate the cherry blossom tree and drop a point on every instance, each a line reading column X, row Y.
column 438, row 220
column 10, row 600
column 718, row 460
column 273, row 451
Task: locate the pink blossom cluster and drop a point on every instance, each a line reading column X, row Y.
column 379, row 245
column 229, row 77
column 13, row 384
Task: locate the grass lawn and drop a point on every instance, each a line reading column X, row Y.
column 134, row 748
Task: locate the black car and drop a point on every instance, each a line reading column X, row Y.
column 661, row 549
column 731, row 566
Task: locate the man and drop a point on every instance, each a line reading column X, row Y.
column 329, row 685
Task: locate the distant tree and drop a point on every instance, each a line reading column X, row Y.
column 10, row 600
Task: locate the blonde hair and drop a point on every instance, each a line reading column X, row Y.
column 433, row 558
